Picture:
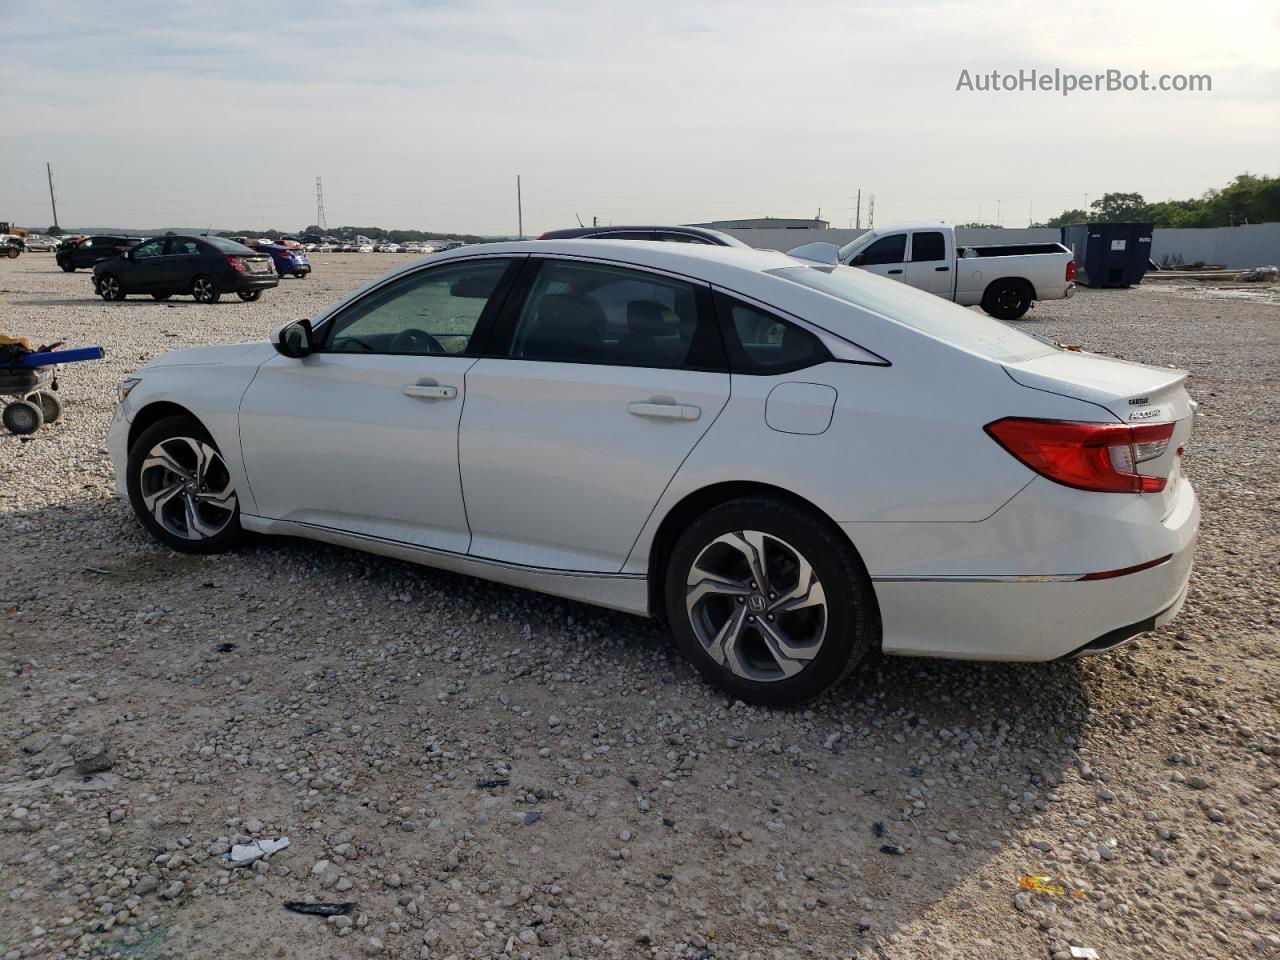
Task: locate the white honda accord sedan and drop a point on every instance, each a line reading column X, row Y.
column 791, row 463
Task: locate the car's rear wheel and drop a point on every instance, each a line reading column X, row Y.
column 300, row 274
column 22, row 417
column 67, row 266
column 1007, row 299
column 180, row 487
column 110, row 288
column 249, row 296
column 768, row 601
column 204, row 289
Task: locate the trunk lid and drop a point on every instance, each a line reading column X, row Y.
column 1134, row 393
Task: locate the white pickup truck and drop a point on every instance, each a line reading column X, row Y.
column 1001, row 278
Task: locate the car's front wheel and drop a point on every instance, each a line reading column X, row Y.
column 110, row 287
column 67, row 266
column 769, row 601
column 180, row 487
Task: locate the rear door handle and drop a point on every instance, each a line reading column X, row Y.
column 941, row 269
column 895, row 271
column 661, row 408
column 429, row 391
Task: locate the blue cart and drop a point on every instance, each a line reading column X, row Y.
column 30, row 378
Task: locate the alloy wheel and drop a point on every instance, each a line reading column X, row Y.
column 109, row 288
column 187, row 489
column 203, row 289
column 756, row 605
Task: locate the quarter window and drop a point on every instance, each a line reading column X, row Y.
column 432, row 312
column 892, row 249
column 927, row 246
column 587, row 313
column 762, row 343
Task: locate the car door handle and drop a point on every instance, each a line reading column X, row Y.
column 663, row 409
column 895, row 271
column 429, row 391
column 941, row 269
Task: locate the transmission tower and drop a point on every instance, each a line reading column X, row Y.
column 320, row 206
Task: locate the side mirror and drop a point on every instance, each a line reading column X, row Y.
column 294, row 339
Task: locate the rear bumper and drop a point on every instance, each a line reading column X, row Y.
column 237, row 282
column 1049, row 612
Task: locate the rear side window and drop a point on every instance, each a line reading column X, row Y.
column 682, row 238
column 591, row 313
column 886, row 250
column 762, row 343
column 927, row 246
column 183, row 246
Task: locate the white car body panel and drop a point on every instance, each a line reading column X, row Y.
column 536, row 474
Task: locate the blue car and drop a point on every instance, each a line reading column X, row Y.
column 288, row 262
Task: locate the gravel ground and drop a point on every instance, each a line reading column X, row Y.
column 487, row 772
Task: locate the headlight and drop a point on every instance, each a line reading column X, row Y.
column 125, row 388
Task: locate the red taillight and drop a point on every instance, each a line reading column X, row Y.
column 1071, row 270
column 1087, row 456
column 544, row 236
column 235, row 263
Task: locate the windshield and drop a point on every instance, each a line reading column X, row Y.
column 920, row 311
column 853, row 246
column 223, row 245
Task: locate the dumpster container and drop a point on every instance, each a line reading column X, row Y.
column 1109, row 254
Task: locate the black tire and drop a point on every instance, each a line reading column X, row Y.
column 110, row 287
column 11, row 251
column 249, row 296
column 172, row 428
column 22, row 417
column 850, row 619
column 50, row 405
column 161, row 296
column 68, row 266
column 1007, row 299
column 204, row 289
column 300, row 274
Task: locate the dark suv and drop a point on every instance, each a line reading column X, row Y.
column 201, row 267
column 668, row 234
column 72, row 256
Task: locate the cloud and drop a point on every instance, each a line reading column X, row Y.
column 421, row 114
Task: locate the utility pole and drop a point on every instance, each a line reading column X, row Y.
column 519, row 209
column 871, row 213
column 595, row 221
column 1031, row 219
column 998, row 202
column 857, row 217
column 320, row 205
column 49, row 169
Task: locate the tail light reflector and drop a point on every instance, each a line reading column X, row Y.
column 1088, row 456
column 1071, row 270
column 237, row 264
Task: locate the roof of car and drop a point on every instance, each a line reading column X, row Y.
column 569, row 232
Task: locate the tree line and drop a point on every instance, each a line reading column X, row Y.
column 350, row 233
column 1246, row 199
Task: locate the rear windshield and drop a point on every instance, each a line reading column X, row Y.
column 223, row 245
column 921, row 311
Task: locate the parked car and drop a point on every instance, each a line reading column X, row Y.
column 794, row 463
column 88, row 251
column 662, row 234
column 290, row 262
column 37, row 244
column 202, row 267
column 11, row 245
column 1003, row 279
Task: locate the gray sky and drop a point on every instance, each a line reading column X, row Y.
column 421, row 114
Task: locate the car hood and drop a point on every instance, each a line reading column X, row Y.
column 239, row 353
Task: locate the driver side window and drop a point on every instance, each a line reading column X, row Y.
column 432, row 312
column 152, row 248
